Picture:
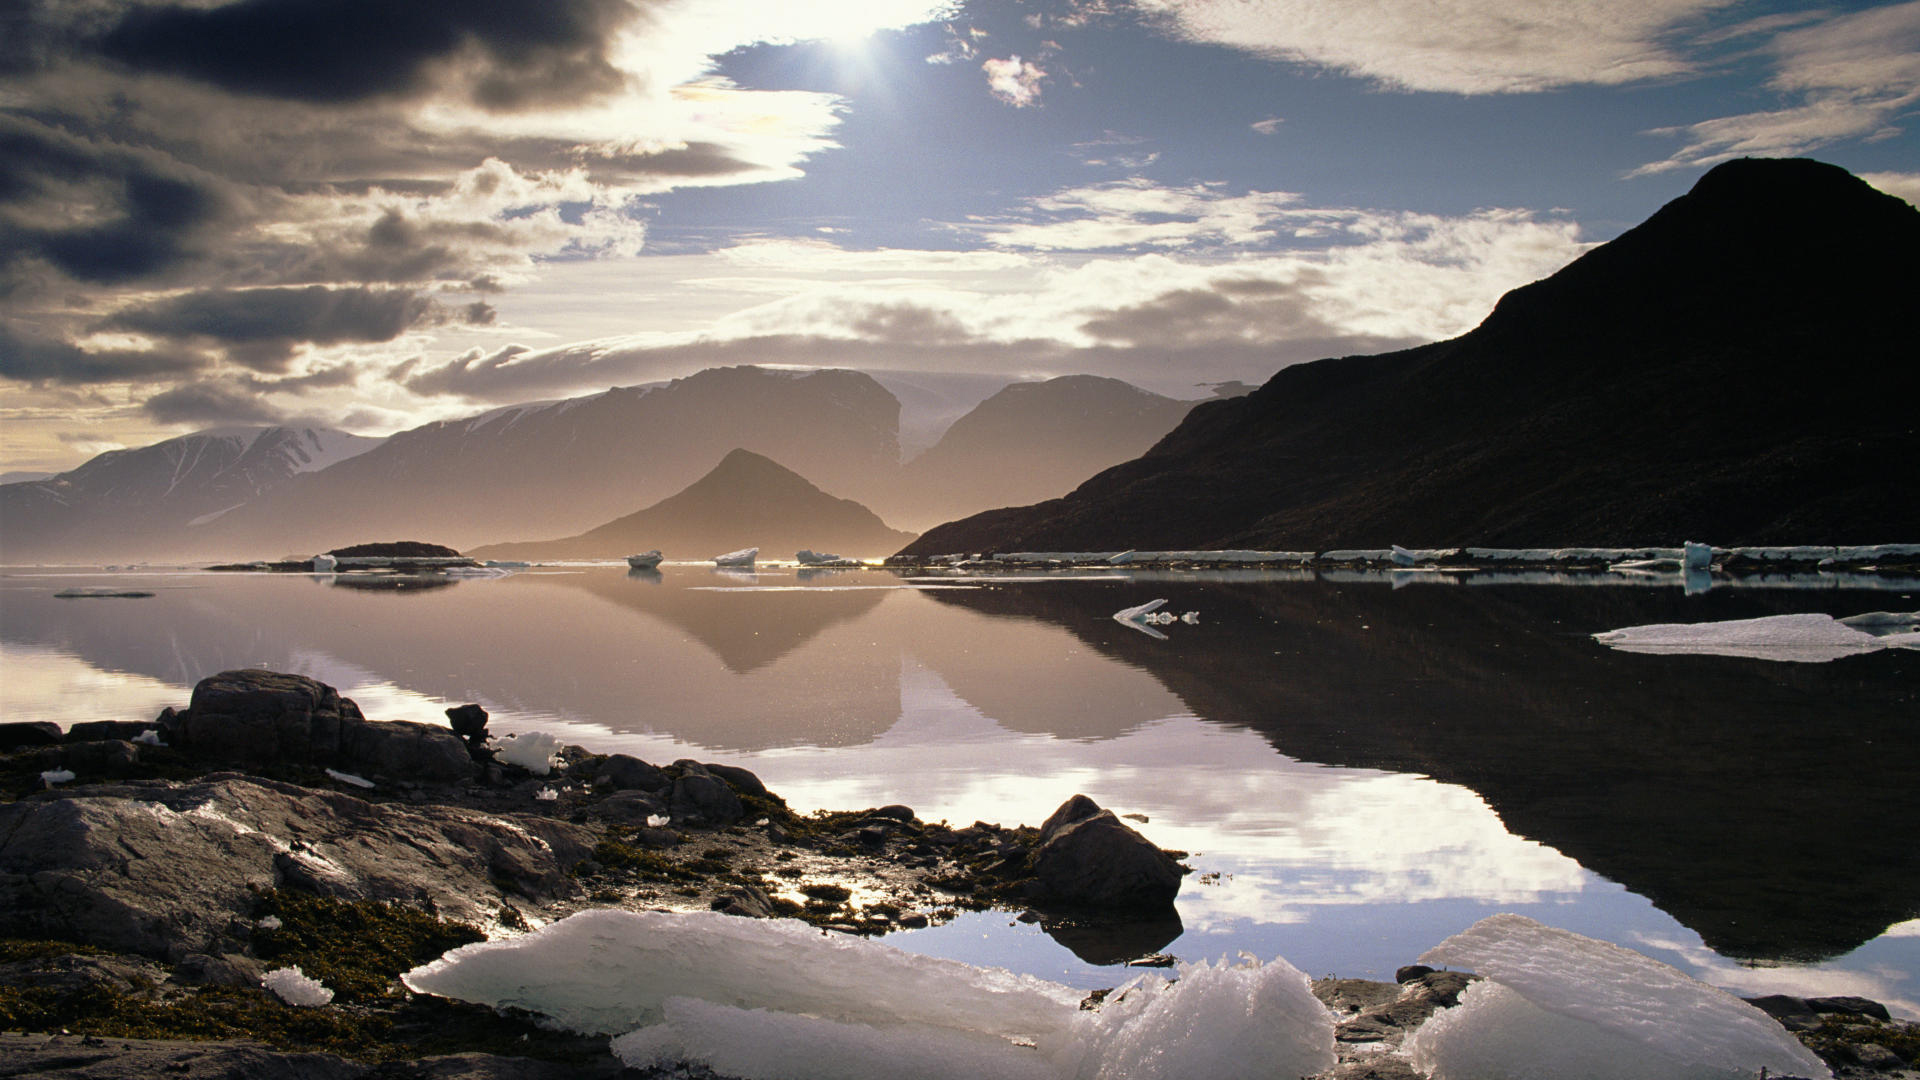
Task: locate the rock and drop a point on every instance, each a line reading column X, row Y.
column 749, row 901
column 230, row 969
column 1440, row 989
column 402, row 748
column 140, row 1059
column 742, row 780
column 630, row 807
column 18, row 733
column 165, row 870
column 699, row 797
column 92, row 760
column 469, row 722
column 1874, row 1056
column 1078, row 808
column 101, row 730
column 627, row 772
column 1411, row 972
column 893, row 812
column 1098, row 861
column 1857, row 1006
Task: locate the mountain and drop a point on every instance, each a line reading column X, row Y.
column 563, row 467
column 746, row 501
column 1032, row 440
column 1738, row 369
column 143, row 503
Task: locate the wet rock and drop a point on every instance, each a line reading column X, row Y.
column 229, row 969
column 748, row 901
column 701, row 798
column 100, row 730
column 1856, row 1006
column 403, row 748
column 1874, row 1056
column 165, row 869
column 742, row 780
column 626, row 772
column 18, row 733
column 92, row 760
column 894, row 812
column 1098, row 861
column 629, row 807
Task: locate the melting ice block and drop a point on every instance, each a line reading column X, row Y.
column 1806, row 638
column 1556, row 1004
column 763, row 1000
column 533, row 751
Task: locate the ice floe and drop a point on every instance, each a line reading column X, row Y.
column 760, row 1000
column 1556, row 1004
column 534, row 751
column 1802, row 638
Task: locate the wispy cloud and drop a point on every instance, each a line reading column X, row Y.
column 1014, row 81
column 1849, row 76
column 1450, row 46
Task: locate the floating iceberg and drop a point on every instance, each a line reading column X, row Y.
column 1807, row 638
column 1556, row 1004
column 324, row 564
column 533, row 752
column 645, row 560
column 743, row 557
column 761, row 1000
column 821, row 558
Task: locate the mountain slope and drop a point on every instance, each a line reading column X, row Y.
column 141, row 503
column 745, row 501
column 1032, row 440
column 561, row 467
column 1736, row 369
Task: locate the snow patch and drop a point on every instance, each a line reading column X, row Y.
column 1555, row 1003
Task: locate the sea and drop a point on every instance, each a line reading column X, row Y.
column 1356, row 764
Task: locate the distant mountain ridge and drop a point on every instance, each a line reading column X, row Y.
column 1738, row 369
column 747, row 500
column 165, row 489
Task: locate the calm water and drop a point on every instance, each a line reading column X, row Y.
column 1360, row 765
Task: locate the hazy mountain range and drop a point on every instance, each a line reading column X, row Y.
column 1738, row 369
column 557, row 469
column 746, row 501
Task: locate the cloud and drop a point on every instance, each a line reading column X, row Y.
column 500, row 54
column 1904, row 185
column 1449, row 46
column 205, row 403
column 1268, row 126
column 1852, row 75
column 37, row 359
column 1137, row 213
column 1014, row 81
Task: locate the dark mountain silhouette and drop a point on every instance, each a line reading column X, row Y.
column 1032, row 440
column 1737, row 369
column 746, row 501
column 145, row 502
column 561, row 467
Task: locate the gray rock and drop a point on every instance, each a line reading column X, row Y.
column 1856, row 1006
column 402, row 748
column 1078, row 808
column 741, row 779
column 15, row 734
column 140, row 1059
column 98, row 730
column 167, row 870
column 1874, row 1056
column 1098, row 861
column 749, row 901
column 629, row 807
column 701, row 798
column 229, row 969
column 629, row 773
column 93, row 760
column 893, row 812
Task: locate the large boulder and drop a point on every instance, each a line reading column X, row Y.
column 168, row 870
column 1089, row 858
column 255, row 717
column 701, row 798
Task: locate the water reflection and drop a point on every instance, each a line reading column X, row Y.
column 1359, row 768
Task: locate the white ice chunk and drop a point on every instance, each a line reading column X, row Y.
column 776, row 1000
column 294, row 987
column 743, row 557
column 349, row 778
column 1696, row 556
column 610, row 971
column 655, row 821
column 149, row 737
column 1403, row 557
column 56, row 776
column 546, row 794
column 1556, row 1004
column 1806, row 638
column 533, row 751
column 1135, row 612
column 325, row 564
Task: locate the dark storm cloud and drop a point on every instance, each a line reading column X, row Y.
column 99, row 213
column 210, row 403
column 504, row 54
column 30, row 358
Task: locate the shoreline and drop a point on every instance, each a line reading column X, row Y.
column 347, row 856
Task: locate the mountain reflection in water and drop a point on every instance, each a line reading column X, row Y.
column 1285, row 738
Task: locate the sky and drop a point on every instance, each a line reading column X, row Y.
column 372, row 214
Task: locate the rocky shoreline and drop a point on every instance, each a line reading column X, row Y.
column 152, row 873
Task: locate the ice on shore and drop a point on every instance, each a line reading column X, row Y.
column 533, row 751
column 761, row 999
column 1803, row 638
column 1556, row 1004
column 294, row 987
